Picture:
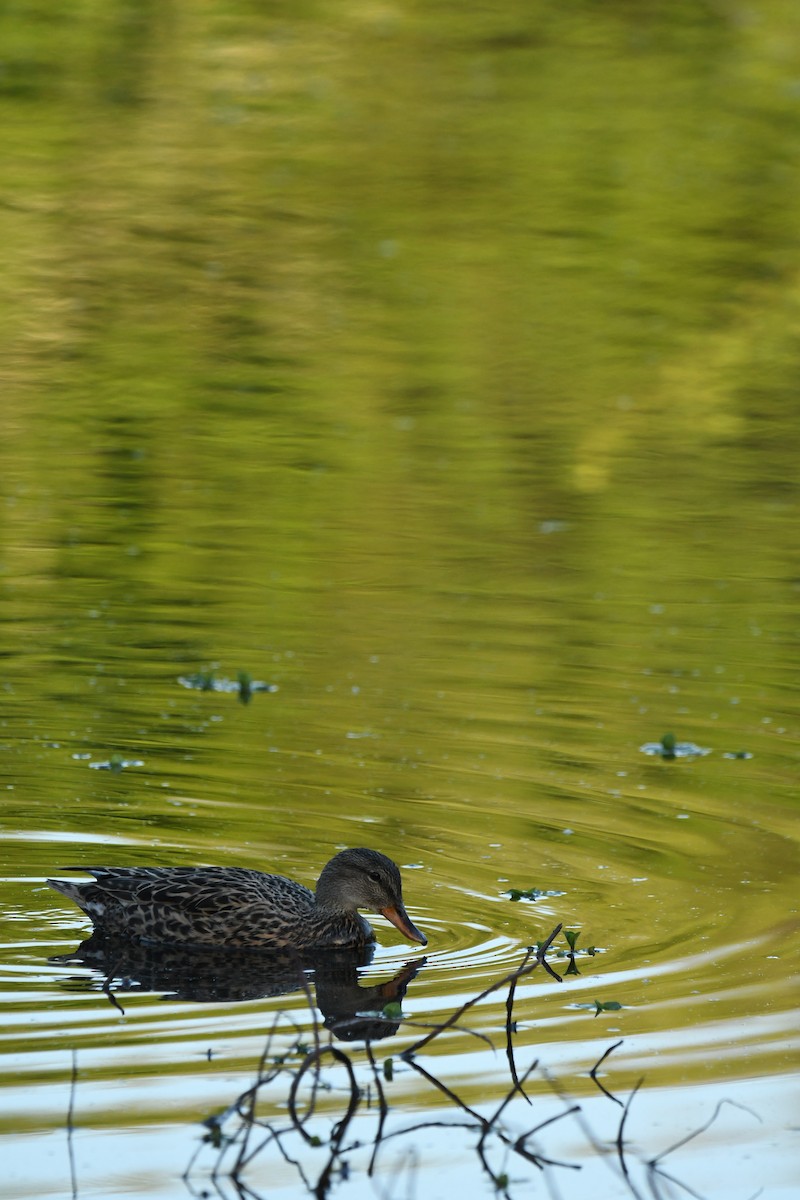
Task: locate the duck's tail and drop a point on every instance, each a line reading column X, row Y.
column 73, row 891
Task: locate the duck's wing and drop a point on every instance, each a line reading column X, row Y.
column 205, row 905
column 199, row 889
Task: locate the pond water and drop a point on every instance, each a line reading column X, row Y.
column 438, row 367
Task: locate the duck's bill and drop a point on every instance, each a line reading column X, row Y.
column 401, row 920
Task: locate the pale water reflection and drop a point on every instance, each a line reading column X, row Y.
column 438, row 368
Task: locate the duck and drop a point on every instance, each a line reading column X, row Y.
column 236, row 906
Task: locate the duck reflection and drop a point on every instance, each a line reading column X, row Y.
column 211, row 974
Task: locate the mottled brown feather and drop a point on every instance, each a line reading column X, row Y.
column 233, row 906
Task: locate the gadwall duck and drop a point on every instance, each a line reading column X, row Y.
column 232, row 906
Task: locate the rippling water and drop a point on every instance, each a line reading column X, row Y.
column 680, row 876
column 437, row 369
column 664, row 868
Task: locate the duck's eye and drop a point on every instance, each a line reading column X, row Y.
column 375, row 876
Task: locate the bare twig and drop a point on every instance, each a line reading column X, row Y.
column 312, row 1059
column 383, row 1108
column 323, row 1182
column 71, row 1126
column 620, row 1139
column 596, row 1067
column 653, row 1165
column 542, row 949
column 598, row 1146
column 449, row 1093
column 496, row 1142
column 112, row 999
column 512, row 976
column 516, row 1088
column 411, row 1162
column 671, row 1178
column 519, row 1144
column 489, row 1126
column 697, row 1132
column 435, row 1026
column 512, row 1066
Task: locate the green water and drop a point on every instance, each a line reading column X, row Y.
column 437, row 364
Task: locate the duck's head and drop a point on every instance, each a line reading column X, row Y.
column 362, row 878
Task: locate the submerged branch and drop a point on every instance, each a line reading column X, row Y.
column 513, row 977
column 493, row 1133
column 73, row 1080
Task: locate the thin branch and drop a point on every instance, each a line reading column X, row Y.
column 451, row 1095
column 383, row 1108
column 422, row 1125
column 71, row 1126
column 512, row 976
column 620, row 1141
column 656, row 1172
column 512, row 1066
column 112, row 999
column 523, row 1137
column 278, row 1134
column 312, row 1059
column 689, row 1137
column 323, row 1183
column 596, row 1067
column 514, row 1090
column 435, row 1026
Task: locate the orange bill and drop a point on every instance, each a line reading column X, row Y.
column 401, row 920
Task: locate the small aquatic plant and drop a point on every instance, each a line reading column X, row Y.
column 669, row 747
column 117, row 763
column 243, row 686
column 531, row 893
column 598, row 1006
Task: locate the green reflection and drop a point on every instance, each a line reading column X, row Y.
column 438, row 364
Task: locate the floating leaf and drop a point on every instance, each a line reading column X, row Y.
column 599, row 1006
column 606, row 1006
column 116, row 764
column 243, row 685
column 214, row 1137
column 531, row 893
column 668, row 748
column 213, row 1124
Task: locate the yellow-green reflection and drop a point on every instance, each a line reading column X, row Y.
column 438, row 364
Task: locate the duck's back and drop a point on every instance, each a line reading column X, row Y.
column 198, row 906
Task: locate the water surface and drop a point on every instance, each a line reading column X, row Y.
column 439, row 368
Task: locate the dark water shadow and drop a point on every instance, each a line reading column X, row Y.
column 351, row 1010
